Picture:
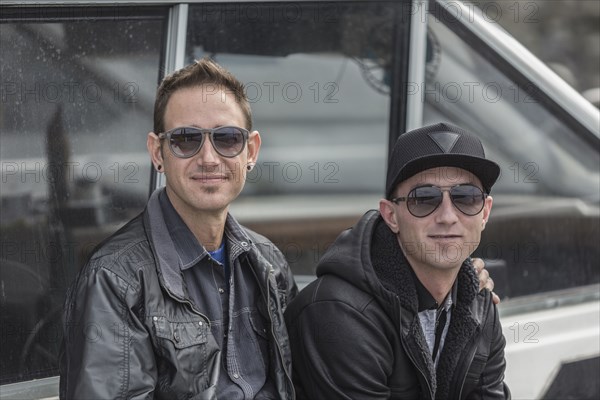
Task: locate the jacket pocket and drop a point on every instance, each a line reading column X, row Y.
column 186, row 352
column 181, row 334
column 475, row 370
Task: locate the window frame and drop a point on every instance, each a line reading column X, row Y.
column 61, row 12
column 521, row 66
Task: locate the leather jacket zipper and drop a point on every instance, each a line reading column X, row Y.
column 408, row 353
column 473, row 351
column 419, row 369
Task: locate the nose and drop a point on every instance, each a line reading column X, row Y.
column 207, row 156
column 446, row 212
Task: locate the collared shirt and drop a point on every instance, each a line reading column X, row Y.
column 429, row 312
column 228, row 294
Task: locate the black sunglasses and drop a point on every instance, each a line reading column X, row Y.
column 424, row 200
column 186, row 142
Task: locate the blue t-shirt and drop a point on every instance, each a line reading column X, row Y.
column 220, row 255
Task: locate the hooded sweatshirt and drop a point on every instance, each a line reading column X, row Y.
column 355, row 331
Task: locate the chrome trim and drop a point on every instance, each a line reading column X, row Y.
column 534, row 70
column 549, row 300
column 416, row 68
column 78, row 3
column 174, row 52
column 176, row 34
column 42, row 389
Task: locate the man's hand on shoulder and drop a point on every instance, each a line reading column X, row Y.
column 485, row 280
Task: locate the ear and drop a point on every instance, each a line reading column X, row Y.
column 387, row 209
column 154, row 149
column 487, row 209
column 253, row 146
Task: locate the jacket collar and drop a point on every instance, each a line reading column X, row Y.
column 395, row 274
column 187, row 248
column 164, row 242
column 426, row 300
column 369, row 256
column 167, row 262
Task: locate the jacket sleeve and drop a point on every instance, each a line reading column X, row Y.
column 338, row 353
column 106, row 351
column 491, row 383
column 291, row 287
column 286, row 284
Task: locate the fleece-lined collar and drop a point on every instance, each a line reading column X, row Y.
column 394, row 274
column 369, row 256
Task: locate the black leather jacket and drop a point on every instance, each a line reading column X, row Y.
column 131, row 332
column 355, row 332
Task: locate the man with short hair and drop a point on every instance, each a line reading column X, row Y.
column 396, row 311
column 184, row 302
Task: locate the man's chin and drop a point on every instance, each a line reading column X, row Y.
column 210, row 190
column 444, row 265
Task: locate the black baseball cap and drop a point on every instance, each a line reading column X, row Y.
column 440, row 145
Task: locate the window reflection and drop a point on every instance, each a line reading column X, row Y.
column 545, row 224
column 77, row 100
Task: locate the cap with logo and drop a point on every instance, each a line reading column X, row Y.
column 440, row 145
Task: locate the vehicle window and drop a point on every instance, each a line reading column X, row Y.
column 77, row 93
column 544, row 226
column 557, row 33
column 319, row 79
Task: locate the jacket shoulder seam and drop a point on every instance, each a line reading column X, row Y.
column 108, row 262
column 358, row 299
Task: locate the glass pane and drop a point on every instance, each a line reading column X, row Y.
column 544, row 225
column 318, row 77
column 77, row 102
column 563, row 34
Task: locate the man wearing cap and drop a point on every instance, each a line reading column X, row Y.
column 396, row 311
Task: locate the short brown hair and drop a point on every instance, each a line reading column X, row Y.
column 200, row 72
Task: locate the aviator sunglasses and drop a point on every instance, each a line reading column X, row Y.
column 186, row 142
column 424, row 200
